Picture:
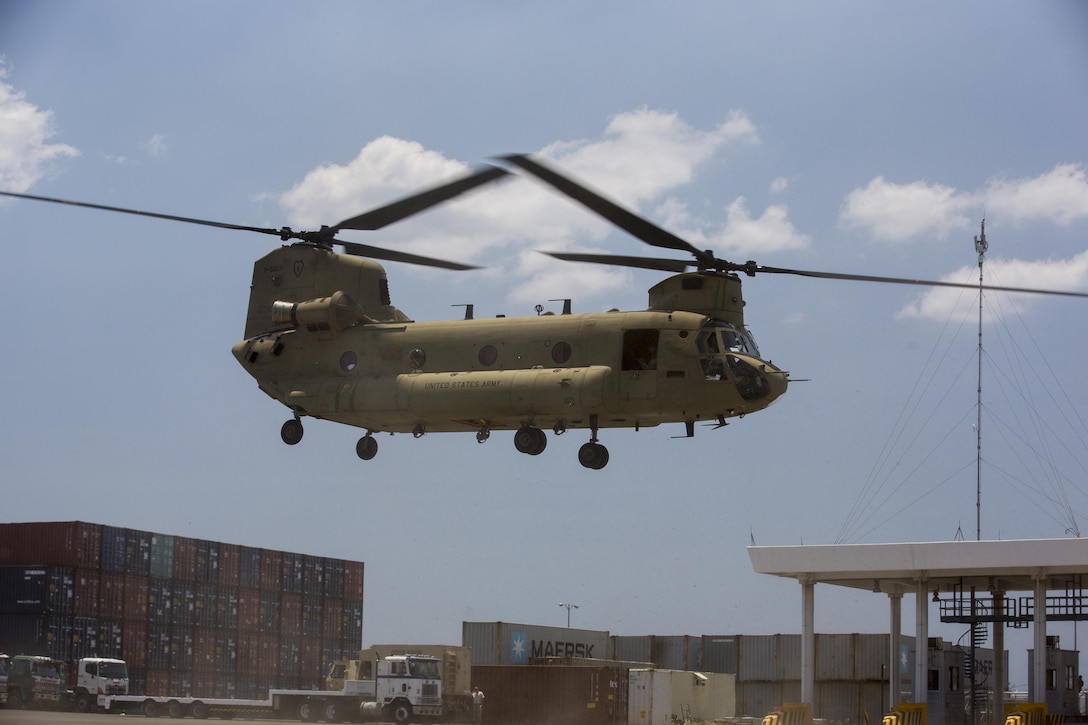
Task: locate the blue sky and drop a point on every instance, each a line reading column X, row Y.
column 844, row 136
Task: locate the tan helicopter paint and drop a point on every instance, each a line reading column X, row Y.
column 324, row 353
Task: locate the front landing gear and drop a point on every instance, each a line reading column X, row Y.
column 593, row 455
column 292, row 431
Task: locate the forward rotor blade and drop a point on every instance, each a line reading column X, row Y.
column 759, row 269
column 153, row 215
column 406, row 207
column 663, row 265
column 365, row 250
column 625, row 219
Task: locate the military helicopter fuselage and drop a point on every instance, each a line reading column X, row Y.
column 323, row 338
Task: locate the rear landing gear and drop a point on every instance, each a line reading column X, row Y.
column 291, row 432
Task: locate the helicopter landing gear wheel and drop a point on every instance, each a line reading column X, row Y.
column 292, row 431
column 530, row 440
column 593, row 455
column 367, row 447
column 483, row 434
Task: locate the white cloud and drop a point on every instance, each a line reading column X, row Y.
column 940, row 303
column 780, row 184
column 641, row 156
column 156, row 146
column 741, row 233
column 909, row 212
column 25, row 129
column 904, row 212
column 1060, row 195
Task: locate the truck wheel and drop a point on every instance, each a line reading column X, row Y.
column 307, row 711
column 150, row 708
column 175, row 709
column 84, row 702
column 401, row 712
column 332, row 711
column 199, row 710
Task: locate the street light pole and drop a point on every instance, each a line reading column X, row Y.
column 569, row 607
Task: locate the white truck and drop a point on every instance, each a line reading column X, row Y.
column 404, row 688
column 34, row 681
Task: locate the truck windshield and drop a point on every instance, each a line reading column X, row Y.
column 113, row 670
column 424, row 668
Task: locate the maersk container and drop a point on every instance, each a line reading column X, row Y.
column 569, row 695
column 506, row 643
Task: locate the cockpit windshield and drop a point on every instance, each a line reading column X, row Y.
column 718, row 337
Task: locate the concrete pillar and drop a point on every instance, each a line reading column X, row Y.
column 921, row 640
column 808, row 642
column 1038, row 693
column 997, row 712
column 895, row 668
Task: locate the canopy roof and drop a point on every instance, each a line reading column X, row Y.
column 945, row 565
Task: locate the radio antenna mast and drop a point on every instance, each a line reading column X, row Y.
column 980, row 246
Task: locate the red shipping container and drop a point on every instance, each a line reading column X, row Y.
column 158, row 683
column 311, row 662
column 230, row 563
column 185, row 558
column 136, row 591
column 134, row 644
column 111, row 596
column 269, row 653
column 290, row 615
column 271, row 570
column 248, row 653
column 353, row 581
column 73, row 544
column 203, row 683
column 86, row 593
column 249, row 610
column 332, row 623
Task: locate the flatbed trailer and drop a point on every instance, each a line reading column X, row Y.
column 405, row 688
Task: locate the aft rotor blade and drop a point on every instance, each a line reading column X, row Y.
column 625, row 219
column 656, row 263
column 153, row 215
column 759, row 269
column 406, row 207
column 365, row 250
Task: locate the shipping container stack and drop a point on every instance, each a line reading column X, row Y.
column 190, row 617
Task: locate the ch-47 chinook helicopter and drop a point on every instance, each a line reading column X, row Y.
column 323, row 338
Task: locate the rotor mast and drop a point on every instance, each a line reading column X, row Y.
column 980, row 246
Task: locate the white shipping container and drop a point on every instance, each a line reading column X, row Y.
column 662, row 697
